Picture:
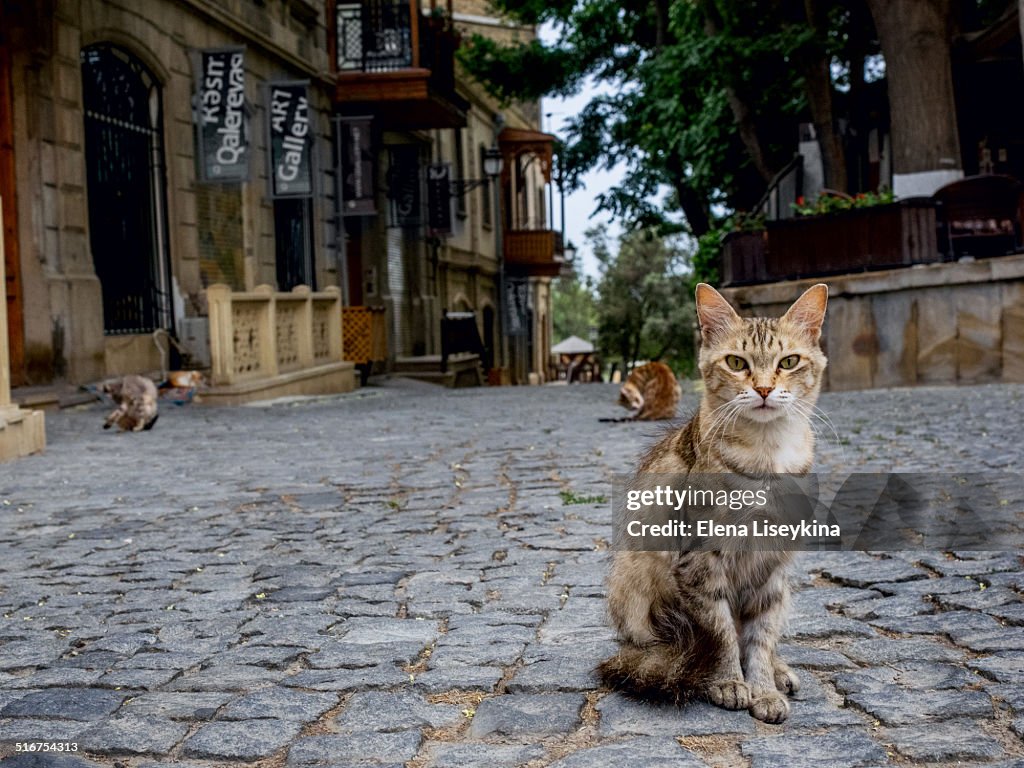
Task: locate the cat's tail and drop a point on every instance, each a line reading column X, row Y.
column 659, row 672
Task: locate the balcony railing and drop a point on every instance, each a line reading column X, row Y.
column 389, row 35
column 533, row 251
column 397, row 63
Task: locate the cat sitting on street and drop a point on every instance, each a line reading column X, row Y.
column 651, row 392
column 136, row 399
column 706, row 623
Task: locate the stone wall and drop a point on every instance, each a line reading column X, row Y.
column 930, row 324
column 284, row 39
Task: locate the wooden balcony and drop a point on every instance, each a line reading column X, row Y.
column 396, row 64
column 533, row 252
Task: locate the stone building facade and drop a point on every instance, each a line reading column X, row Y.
column 112, row 234
column 116, row 234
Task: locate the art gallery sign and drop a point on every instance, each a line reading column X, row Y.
column 290, row 139
column 222, row 115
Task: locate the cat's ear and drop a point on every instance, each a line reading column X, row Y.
column 808, row 312
column 714, row 312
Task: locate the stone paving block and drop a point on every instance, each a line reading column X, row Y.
column 176, row 706
column 868, row 574
column 30, row 729
column 446, row 755
column 270, row 656
column 389, row 712
column 954, row 741
column 991, row 640
column 58, row 677
column 555, row 674
column 621, row 716
column 526, row 715
column 650, row 752
column 225, row 677
column 146, row 679
column 22, row 654
column 885, row 650
column 132, row 735
column 1001, row 667
column 69, row 704
column 281, row 704
column 460, row 677
column 897, row 606
column 38, row 760
column 894, row 706
column 846, row 748
column 918, row 675
column 354, row 748
column 240, row 740
column 359, row 679
column 371, row 631
column 813, row 658
column 337, row 654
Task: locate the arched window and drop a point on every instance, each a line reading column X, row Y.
column 126, row 189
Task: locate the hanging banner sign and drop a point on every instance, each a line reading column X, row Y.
column 439, row 198
column 222, row 115
column 356, row 161
column 517, row 306
column 291, row 140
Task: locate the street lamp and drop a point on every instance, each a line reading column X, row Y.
column 493, row 162
column 569, row 252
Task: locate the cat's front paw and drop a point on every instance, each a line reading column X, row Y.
column 729, row 694
column 785, row 679
column 769, row 707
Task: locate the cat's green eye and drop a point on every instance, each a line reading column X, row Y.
column 735, row 362
column 789, row 362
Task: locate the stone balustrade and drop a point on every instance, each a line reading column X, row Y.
column 263, row 340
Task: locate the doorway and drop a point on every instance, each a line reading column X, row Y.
column 125, row 183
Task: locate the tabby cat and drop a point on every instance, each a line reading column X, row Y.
column 706, row 623
column 652, row 392
column 135, row 397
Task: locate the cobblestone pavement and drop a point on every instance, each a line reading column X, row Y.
column 409, row 576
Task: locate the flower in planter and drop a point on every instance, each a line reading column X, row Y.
column 830, row 201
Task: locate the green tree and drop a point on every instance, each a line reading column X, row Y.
column 644, row 299
column 573, row 307
column 703, row 98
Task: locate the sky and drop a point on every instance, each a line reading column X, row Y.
column 580, row 205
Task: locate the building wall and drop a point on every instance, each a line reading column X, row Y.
column 284, row 39
column 933, row 324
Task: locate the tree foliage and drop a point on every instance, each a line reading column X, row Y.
column 573, row 307
column 644, row 299
column 704, row 97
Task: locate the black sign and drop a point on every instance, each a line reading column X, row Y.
column 439, row 198
column 404, row 184
column 222, row 116
column 356, row 167
column 291, row 140
column 517, row 306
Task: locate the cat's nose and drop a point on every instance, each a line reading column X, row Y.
column 764, row 391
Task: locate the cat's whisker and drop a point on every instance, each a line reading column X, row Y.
column 816, row 419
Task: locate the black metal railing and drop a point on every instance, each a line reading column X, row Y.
column 385, row 36
column 374, row 36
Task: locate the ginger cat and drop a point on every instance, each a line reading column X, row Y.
column 652, row 392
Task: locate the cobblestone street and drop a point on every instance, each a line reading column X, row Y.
column 413, row 576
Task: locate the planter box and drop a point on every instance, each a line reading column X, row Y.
column 881, row 237
column 743, row 258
